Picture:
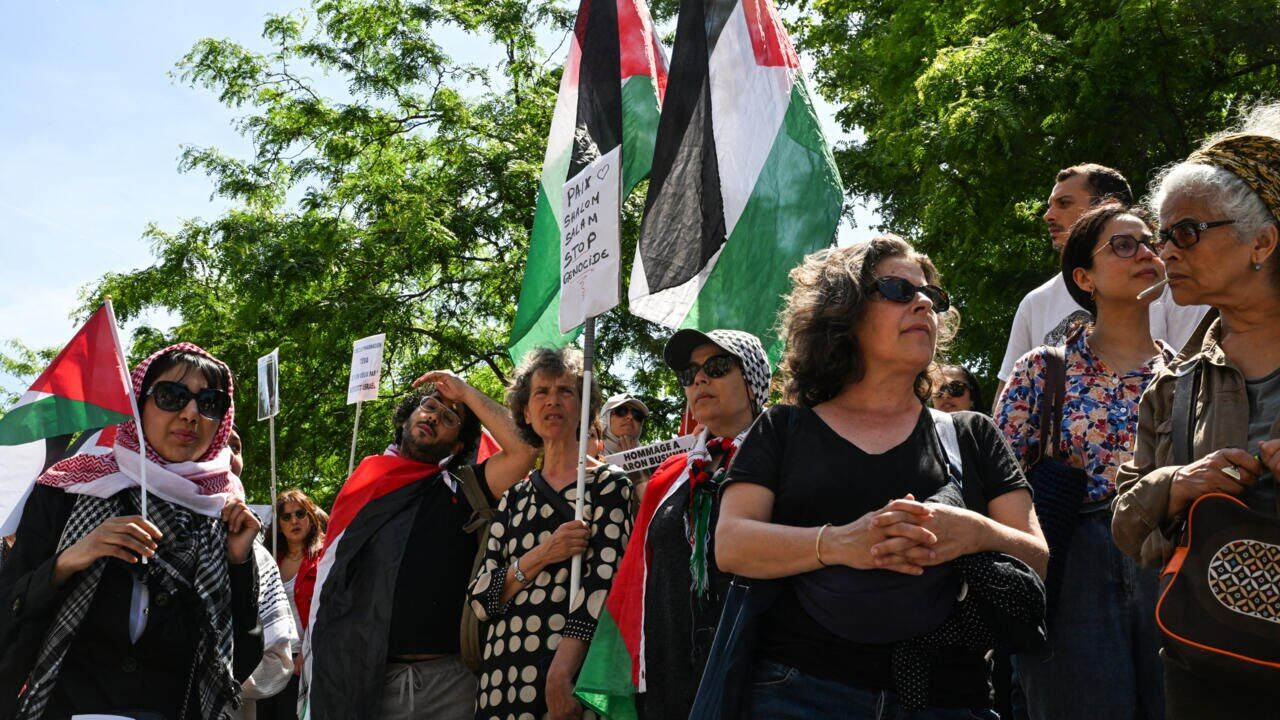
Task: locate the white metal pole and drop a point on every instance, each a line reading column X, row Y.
column 351, row 462
column 584, row 427
column 275, row 521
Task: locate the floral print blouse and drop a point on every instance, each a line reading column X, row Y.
column 1099, row 412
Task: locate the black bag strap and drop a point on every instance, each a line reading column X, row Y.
column 1185, row 390
column 1055, row 389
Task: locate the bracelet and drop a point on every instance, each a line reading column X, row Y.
column 817, row 544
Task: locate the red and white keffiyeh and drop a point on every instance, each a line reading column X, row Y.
column 112, row 462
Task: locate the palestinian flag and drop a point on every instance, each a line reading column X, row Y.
column 610, row 94
column 744, row 184
column 86, row 386
column 345, row 647
column 613, row 671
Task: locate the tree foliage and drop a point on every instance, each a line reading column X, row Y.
column 968, row 110
column 399, row 203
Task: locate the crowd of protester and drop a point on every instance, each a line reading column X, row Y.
column 860, row 539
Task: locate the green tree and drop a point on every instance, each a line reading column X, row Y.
column 968, row 110
column 401, row 204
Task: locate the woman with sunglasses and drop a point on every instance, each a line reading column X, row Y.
column 1102, row 633
column 832, row 483
column 299, row 538
column 955, row 389
column 1218, row 214
column 88, row 627
column 669, row 589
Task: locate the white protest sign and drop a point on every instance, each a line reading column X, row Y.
column 589, row 241
column 650, row 456
column 366, row 368
column 269, row 385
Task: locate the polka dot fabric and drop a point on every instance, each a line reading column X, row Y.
column 522, row 634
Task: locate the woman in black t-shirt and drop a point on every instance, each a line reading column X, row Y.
column 824, row 494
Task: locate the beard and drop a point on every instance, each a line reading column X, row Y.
column 424, row 452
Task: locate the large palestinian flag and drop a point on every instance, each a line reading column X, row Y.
column 743, row 183
column 86, row 386
column 610, row 93
column 345, row 597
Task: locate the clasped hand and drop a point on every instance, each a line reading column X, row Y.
column 904, row 536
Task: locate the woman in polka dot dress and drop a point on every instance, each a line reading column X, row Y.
column 535, row 639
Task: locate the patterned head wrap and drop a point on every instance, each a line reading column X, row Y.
column 1255, row 159
column 85, row 468
column 742, row 345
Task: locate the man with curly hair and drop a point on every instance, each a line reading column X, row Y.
column 384, row 636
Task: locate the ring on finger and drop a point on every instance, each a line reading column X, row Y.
column 1231, row 472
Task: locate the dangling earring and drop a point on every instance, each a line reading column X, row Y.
column 1093, row 295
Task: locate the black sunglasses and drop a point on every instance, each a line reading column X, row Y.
column 1187, row 233
column 1126, row 246
column 291, row 516
column 715, row 367
column 172, row 396
column 955, row 388
column 899, row 290
column 634, row 412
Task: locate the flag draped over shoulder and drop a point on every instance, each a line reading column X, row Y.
column 613, row 671
column 84, row 387
column 345, row 649
column 610, row 94
column 743, row 183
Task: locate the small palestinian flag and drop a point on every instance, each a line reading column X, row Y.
column 610, row 94
column 743, row 185
column 86, row 386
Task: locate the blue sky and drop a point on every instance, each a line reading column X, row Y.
column 91, row 129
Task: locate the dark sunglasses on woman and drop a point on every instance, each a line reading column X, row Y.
column 716, row 366
column 634, row 412
column 172, row 396
column 955, row 389
column 899, row 290
column 291, row 516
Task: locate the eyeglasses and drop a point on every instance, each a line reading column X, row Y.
column 634, row 412
column 899, row 290
column 447, row 416
column 1187, row 233
column 716, row 366
column 955, row 388
column 1126, row 246
column 295, row 515
column 173, row 396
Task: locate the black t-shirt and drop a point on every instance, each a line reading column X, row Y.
column 818, row 477
column 434, row 572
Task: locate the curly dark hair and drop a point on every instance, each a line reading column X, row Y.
column 825, row 304
column 469, row 433
column 551, row 362
column 1082, row 243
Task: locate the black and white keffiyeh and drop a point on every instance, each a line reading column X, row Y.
column 191, row 559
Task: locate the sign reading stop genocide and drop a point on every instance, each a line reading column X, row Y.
column 590, row 241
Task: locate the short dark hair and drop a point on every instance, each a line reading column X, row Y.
column 554, row 363
column 214, row 373
column 469, row 433
column 827, row 301
column 1082, row 243
column 975, row 390
column 1104, row 183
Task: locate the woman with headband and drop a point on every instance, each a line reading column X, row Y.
column 1218, row 213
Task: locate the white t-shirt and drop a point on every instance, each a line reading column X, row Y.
column 1046, row 313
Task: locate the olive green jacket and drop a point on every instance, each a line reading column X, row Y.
column 1141, row 524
